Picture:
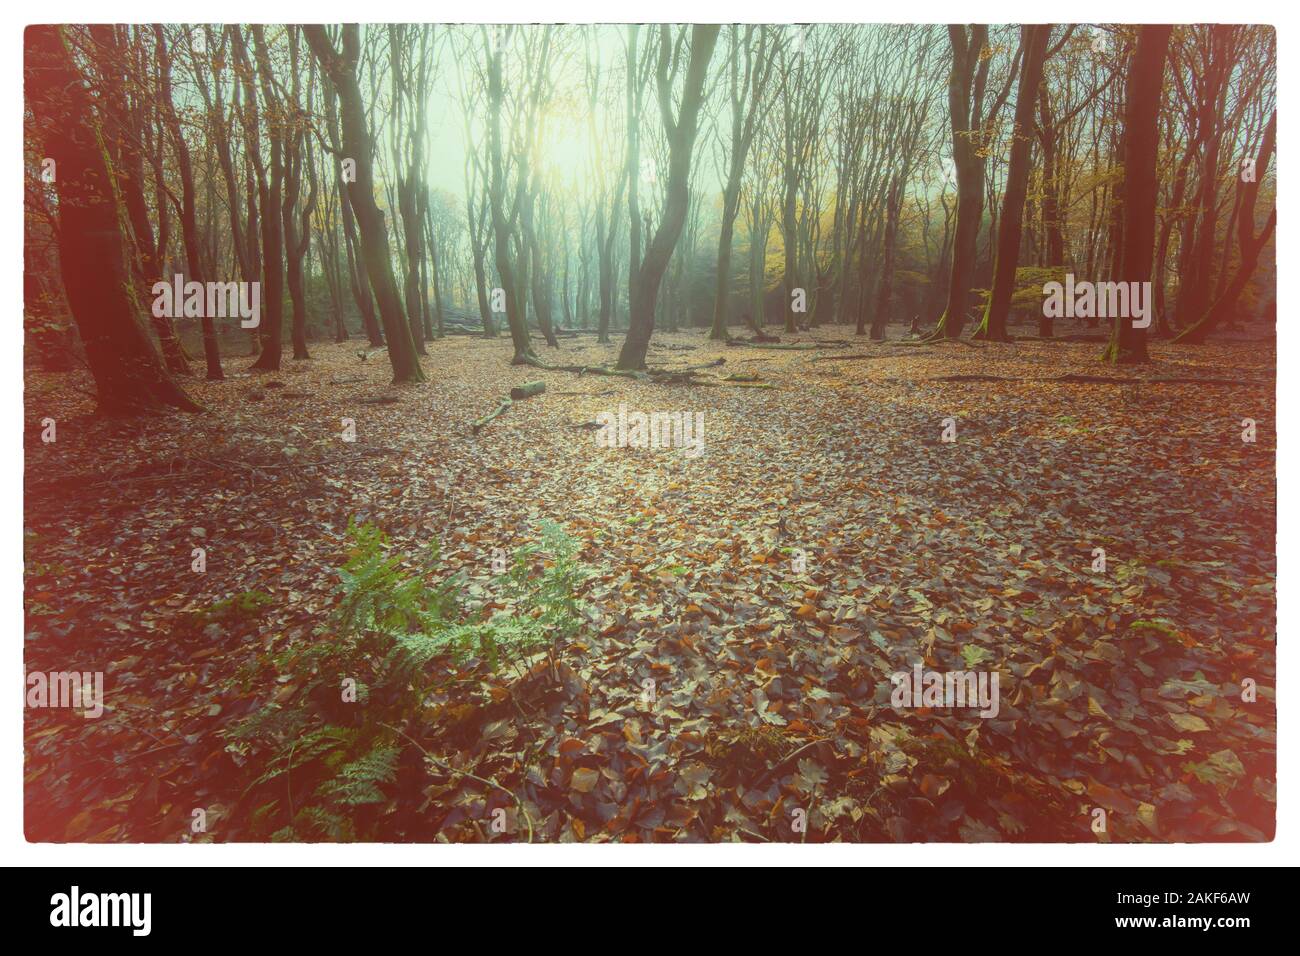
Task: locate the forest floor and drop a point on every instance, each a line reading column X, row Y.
column 824, row 538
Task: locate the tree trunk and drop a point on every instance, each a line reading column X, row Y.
column 121, row 134
column 994, row 327
column 885, row 291
column 1128, row 344
column 967, row 55
column 189, row 204
column 1250, row 244
column 357, row 145
column 1194, row 280
column 722, row 295
column 681, row 144
column 128, row 370
column 270, row 195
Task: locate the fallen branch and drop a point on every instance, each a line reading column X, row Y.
column 501, row 409
column 787, row 758
column 695, row 368
column 1073, row 337
column 1076, row 379
column 580, row 369
column 518, row 393
column 933, row 339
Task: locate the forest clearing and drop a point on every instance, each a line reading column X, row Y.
column 664, row 433
column 771, row 685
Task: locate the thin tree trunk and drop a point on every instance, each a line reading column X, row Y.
column 994, row 326
column 357, row 145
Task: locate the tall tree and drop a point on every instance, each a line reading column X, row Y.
column 970, row 124
column 270, row 188
column 503, row 219
column 608, row 202
column 408, row 155
column 1220, row 44
column 800, row 88
column 129, row 373
column 1249, row 244
column 341, row 68
column 1128, row 344
column 745, row 87
column 358, row 280
column 1033, row 40
column 123, row 129
column 680, row 130
column 196, row 269
column 296, row 214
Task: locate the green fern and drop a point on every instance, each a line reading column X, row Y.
column 358, row 782
column 393, row 626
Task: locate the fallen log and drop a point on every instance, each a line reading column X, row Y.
column 663, row 376
column 858, row 356
column 579, row 369
column 527, row 390
column 518, row 393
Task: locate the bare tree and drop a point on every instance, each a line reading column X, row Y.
column 680, row 129
column 1128, row 342
column 357, row 146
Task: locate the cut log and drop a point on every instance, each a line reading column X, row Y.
column 527, row 390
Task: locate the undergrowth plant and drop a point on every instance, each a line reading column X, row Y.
column 330, row 749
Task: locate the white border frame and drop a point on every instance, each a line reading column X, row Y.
column 13, row 845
